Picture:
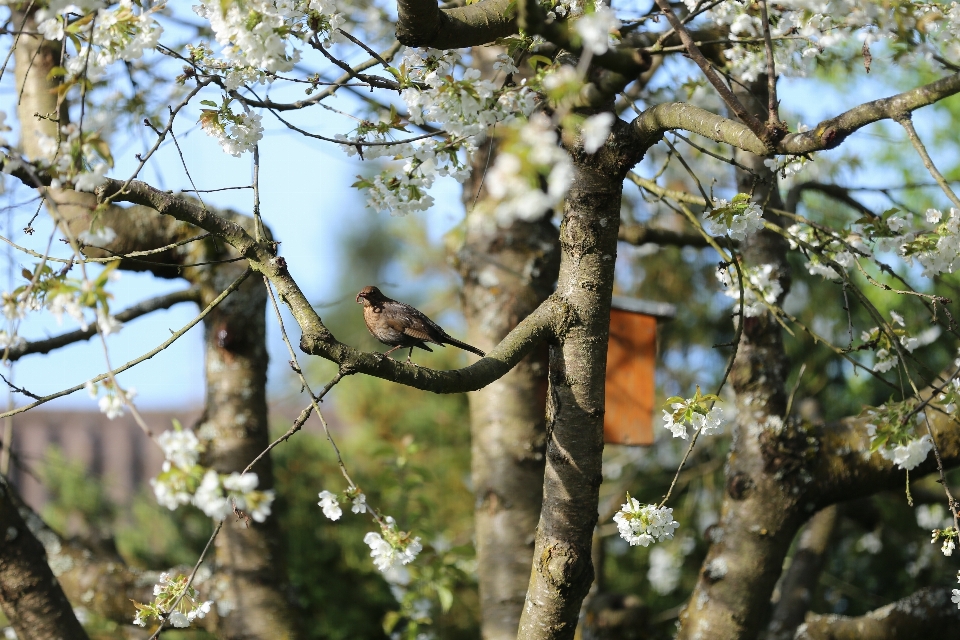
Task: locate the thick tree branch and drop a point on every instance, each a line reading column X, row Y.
column 654, row 122
column 317, row 339
column 800, row 580
column 422, row 23
column 842, row 472
column 926, row 613
column 30, row 595
column 147, row 306
column 729, row 99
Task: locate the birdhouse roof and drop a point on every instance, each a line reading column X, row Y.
column 648, row 307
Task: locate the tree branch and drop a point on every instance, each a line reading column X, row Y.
column 654, row 122
column 838, row 193
column 800, row 580
column 147, row 306
column 317, row 339
column 926, row 613
column 726, row 94
column 842, row 472
column 422, row 23
column 638, row 234
column 30, row 594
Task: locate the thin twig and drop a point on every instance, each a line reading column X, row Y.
column 773, row 105
column 376, row 56
column 103, row 376
column 907, row 123
column 193, row 574
column 147, row 306
column 113, row 258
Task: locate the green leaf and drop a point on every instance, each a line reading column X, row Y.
column 446, row 598
column 533, row 61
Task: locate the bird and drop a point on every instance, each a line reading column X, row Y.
column 401, row 326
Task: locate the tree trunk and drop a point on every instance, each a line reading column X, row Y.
column 507, row 271
column 562, row 568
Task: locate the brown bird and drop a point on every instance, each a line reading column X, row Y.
column 400, row 326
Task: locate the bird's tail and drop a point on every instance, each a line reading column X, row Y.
column 464, row 346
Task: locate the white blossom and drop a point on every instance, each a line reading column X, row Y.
column 387, row 556
column 709, row 424
column 359, row 504
column 181, row 447
column 679, row 429
column 740, row 225
column 643, row 525
column 178, row 620
column 910, row 454
column 595, row 131
column 209, row 497
column 328, row 503
column 112, row 404
column 108, row 324
column 239, row 135
column 90, row 180
column 948, row 546
column 594, row 29
column 67, row 303
column 760, row 278
column 200, row 611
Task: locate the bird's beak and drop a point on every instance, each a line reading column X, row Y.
column 359, row 295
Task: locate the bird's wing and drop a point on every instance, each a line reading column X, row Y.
column 420, row 327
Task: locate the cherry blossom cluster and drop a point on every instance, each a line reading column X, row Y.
column 114, row 399
column 61, row 296
column 893, row 435
column 644, row 524
column 821, row 248
column 329, row 503
column 108, row 34
column 736, row 219
column 183, row 480
column 266, row 35
column 937, row 251
column 886, row 351
column 760, row 291
column 804, row 30
column 392, row 548
column 594, row 28
column 948, row 536
column 174, row 602
column 529, row 154
column 462, row 104
column 237, row 133
column 695, row 412
column 76, row 157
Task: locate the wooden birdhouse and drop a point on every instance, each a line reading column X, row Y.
column 631, row 356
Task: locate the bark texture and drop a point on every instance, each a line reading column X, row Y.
column 760, row 513
column 30, row 595
column 508, row 270
column 800, row 580
column 562, row 567
column 926, row 613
